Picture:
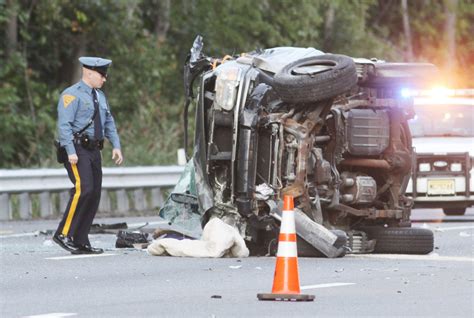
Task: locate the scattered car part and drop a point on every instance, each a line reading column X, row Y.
column 108, row 228
column 126, row 239
column 359, row 243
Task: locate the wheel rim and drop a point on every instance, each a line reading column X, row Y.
column 312, row 69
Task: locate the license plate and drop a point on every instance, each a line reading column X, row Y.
column 441, row 187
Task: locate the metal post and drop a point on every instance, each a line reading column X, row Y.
column 25, row 206
column 46, row 208
column 5, row 207
column 104, row 205
column 123, row 204
column 139, row 199
column 156, row 198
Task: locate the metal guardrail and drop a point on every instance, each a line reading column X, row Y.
column 19, row 188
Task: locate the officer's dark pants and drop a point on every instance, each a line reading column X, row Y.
column 86, row 176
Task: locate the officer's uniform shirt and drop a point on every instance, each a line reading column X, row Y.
column 75, row 110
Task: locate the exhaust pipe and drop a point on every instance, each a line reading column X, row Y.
column 322, row 239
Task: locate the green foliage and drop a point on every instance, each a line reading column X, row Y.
column 25, row 123
column 148, row 46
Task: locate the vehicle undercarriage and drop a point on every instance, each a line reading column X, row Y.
column 327, row 129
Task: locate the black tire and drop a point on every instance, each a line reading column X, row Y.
column 406, row 240
column 454, row 211
column 294, row 87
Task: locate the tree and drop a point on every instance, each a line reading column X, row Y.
column 11, row 30
column 162, row 21
column 407, row 31
column 329, row 26
column 450, row 34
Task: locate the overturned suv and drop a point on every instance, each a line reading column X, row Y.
column 327, row 129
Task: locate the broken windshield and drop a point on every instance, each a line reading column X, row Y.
column 443, row 121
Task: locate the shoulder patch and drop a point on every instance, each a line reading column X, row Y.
column 67, row 99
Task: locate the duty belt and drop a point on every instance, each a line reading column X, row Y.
column 89, row 143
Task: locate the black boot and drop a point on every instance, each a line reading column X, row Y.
column 65, row 242
column 87, row 249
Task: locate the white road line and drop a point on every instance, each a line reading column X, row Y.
column 20, row 235
column 415, row 257
column 325, row 285
column 53, row 315
column 149, row 223
column 79, row 256
column 454, row 228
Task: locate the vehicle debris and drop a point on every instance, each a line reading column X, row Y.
column 235, row 266
column 218, row 240
column 127, row 239
column 106, row 228
column 328, row 129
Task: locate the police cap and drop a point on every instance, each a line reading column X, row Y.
column 97, row 64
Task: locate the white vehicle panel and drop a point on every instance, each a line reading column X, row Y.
column 444, row 145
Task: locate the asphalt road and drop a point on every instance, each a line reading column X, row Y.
column 38, row 279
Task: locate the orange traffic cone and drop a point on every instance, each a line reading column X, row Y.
column 286, row 282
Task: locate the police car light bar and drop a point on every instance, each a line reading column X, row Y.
column 440, row 96
column 437, row 92
column 443, row 101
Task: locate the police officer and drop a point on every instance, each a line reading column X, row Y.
column 84, row 119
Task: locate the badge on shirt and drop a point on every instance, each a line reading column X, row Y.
column 67, row 99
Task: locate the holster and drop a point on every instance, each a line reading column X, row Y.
column 61, row 154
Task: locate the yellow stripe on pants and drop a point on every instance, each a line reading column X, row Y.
column 72, row 208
